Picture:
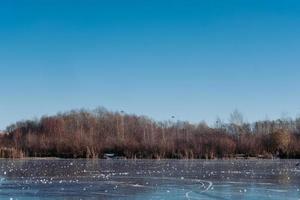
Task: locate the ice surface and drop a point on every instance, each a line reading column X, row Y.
column 149, row 179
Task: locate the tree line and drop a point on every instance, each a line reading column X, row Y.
column 92, row 134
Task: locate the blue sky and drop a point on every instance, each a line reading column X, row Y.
column 193, row 59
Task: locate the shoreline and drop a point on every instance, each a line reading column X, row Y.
column 132, row 159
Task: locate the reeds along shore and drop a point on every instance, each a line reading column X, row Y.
column 92, row 134
column 11, row 153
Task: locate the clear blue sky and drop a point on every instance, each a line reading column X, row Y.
column 193, row 59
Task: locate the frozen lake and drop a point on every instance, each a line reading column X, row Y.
column 149, row 179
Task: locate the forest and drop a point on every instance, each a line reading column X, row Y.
column 95, row 133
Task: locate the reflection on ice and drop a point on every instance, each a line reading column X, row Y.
column 149, row 179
